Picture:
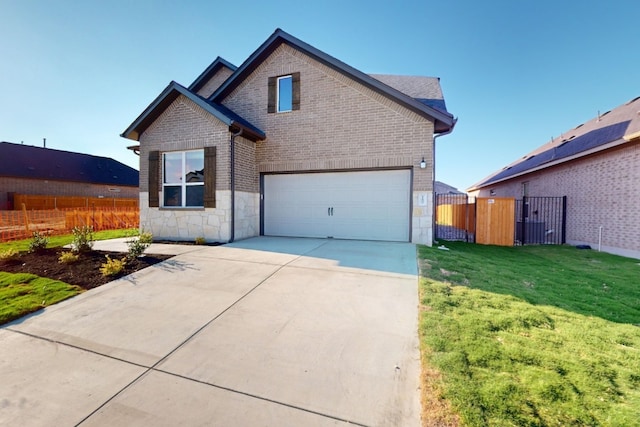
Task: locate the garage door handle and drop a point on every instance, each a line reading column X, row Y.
column 328, row 211
column 331, row 211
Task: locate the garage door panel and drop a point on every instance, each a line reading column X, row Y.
column 371, row 205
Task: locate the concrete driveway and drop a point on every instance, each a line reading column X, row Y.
column 263, row 332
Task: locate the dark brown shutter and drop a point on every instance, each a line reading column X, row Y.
column 154, row 179
column 295, row 82
column 271, row 102
column 209, row 177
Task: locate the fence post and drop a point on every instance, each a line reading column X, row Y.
column 523, row 225
column 26, row 218
column 564, row 219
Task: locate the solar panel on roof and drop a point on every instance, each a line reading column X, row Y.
column 588, row 141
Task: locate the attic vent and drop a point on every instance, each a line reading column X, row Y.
column 604, row 114
column 633, row 100
column 580, row 125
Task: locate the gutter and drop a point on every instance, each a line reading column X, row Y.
column 233, row 183
column 433, row 180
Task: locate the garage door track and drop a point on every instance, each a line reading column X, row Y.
column 265, row 331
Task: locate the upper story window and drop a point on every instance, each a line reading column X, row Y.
column 183, row 178
column 284, row 93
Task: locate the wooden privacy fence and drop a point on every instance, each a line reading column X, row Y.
column 39, row 202
column 495, row 223
column 16, row 225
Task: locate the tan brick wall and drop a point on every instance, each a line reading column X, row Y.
column 214, row 82
column 340, row 125
column 246, row 172
column 601, row 190
column 185, row 126
column 60, row 188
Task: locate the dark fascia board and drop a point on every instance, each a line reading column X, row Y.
column 209, row 72
column 168, row 95
column 444, row 121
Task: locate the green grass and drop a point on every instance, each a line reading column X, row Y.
column 533, row 336
column 62, row 240
column 22, row 293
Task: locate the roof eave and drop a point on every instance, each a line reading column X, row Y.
column 168, row 95
column 443, row 121
column 209, row 72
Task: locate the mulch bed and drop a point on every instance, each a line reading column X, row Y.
column 84, row 273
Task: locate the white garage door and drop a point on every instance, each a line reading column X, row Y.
column 371, row 205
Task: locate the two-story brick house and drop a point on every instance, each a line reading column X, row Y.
column 291, row 143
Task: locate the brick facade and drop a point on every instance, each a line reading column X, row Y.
column 60, row 188
column 214, row 82
column 601, row 190
column 341, row 124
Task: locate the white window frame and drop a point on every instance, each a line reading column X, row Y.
column 183, row 185
column 279, row 79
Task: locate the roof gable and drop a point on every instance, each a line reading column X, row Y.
column 218, row 64
column 444, row 121
column 611, row 128
column 170, row 94
column 27, row 161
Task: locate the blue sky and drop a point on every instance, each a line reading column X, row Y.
column 515, row 72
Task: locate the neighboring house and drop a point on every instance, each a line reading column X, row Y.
column 597, row 166
column 26, row 169
column 292, row 143
column 442, row 188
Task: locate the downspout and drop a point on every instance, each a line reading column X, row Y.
column 233, row 183
column 433, row 180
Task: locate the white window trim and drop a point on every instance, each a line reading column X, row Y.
column 278, row 110
column 182, row 184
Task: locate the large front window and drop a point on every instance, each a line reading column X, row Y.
column 183, row 178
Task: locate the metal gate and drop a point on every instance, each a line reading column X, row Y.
column 455, row 217
column 541, row 221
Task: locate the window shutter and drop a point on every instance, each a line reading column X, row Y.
column 273, row 87
column 154, row 179
column 209, row 177
column 295, row 82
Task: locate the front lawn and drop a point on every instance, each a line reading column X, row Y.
column 21, row 294
column 534, row 335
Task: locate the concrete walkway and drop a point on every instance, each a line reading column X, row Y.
column 266, row 331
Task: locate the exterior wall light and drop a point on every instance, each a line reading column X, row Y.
column 423, row 164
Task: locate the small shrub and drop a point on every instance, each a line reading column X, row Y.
column 200, row 241
column 139, row 245
column 146, row 237
column 9, row 255
column 38, row 242
column 68, row 258
column 112, row 266
column 82, row 239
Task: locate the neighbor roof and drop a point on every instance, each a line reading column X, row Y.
column 27, row 161
column 169, row 94
column 444, row 121
column 604, row 131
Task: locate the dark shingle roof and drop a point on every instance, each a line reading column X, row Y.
column 613, row 127
column 26, row 161
column 426, row 90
